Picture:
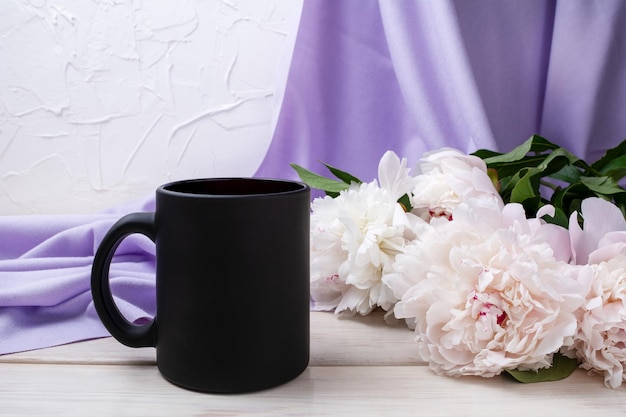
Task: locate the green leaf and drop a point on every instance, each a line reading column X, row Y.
column 506, row 169
column 616, row 173
column 319, row 182
column 527, row 187
column 617, row 163
column 555, row 162
column 485, row 153
column 602, row 185
column 561, row 368
column 614, row 168
column 515, row 155
column 528, row 184
column 405, row 200
column 568, row 199
column 541, row 144
column 534, row 144
column 568, row 173
column 524, row 186
column 610, row 157
column 342, row 175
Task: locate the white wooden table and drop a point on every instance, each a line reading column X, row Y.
column 359, row 367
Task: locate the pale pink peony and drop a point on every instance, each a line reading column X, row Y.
column 485, row 293
column 600, row 342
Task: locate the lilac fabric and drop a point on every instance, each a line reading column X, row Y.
column 365, row 76
column 368, row 76
column 45, row 267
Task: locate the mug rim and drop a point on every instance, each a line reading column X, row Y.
column 296, row 187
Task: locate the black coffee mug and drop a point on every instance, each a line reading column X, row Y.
column 232, row 283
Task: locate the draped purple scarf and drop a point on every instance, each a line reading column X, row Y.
column 365, row 77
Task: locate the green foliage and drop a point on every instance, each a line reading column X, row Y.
column 539, row 172
column 342, row 175
column 329, row 186
column 561, row 368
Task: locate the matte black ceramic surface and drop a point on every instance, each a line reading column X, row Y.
column 232, row 283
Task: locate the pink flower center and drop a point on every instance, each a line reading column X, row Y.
column 488, row 309
column 332, row 279
column 439, row 213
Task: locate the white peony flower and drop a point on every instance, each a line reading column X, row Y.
column 355, row 238
column 394, row 176
column 447, row 177
column 485, row 293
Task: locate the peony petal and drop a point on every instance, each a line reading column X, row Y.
column 354, row 300
column 393, row 175
column 580, row 247
column 482, row 182
column 388, row 169
column 559, row 240
column 612, row 238
column 609, row 246
column 606, row 252
column 600, row 217
column 545, row 210
column 513, row 213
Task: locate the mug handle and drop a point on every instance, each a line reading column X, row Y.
column 125, row 332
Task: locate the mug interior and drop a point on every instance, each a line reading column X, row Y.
column 234, row 186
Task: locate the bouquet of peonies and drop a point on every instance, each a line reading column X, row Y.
column 511, row 262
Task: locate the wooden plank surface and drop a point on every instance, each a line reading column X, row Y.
column 130, row 390
column 359, row 367
column 334, row 341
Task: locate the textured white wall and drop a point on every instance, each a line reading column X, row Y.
column 103, row 100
